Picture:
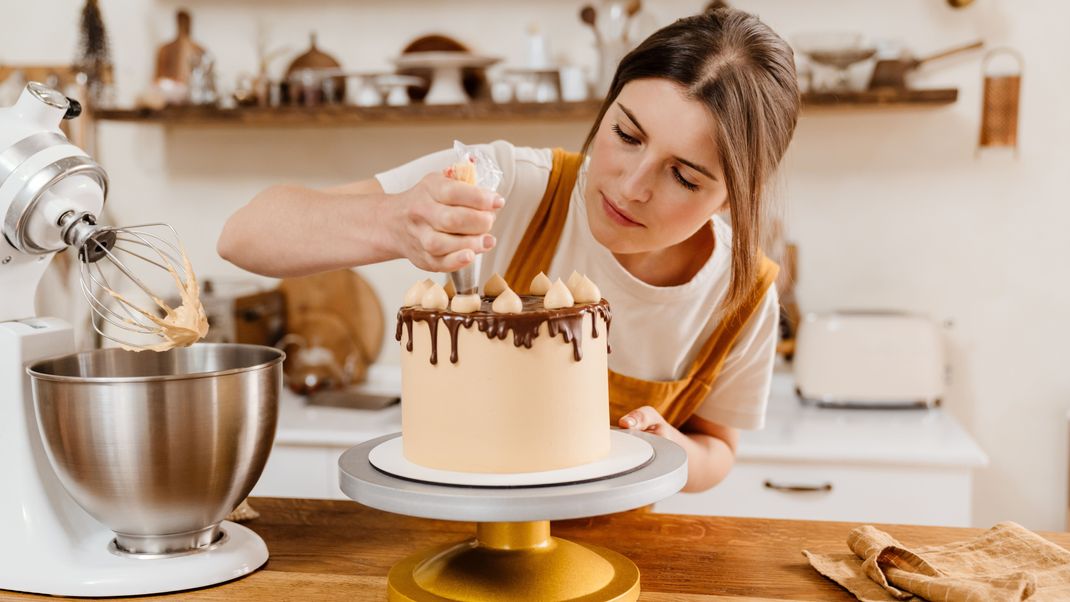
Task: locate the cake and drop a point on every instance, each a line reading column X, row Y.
column 505, row 383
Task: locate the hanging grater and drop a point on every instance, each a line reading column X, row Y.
column 999, row 109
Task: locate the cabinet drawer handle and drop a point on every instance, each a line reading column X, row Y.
column 797, row 488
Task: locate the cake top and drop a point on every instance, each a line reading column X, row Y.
column 542, row 294
column 560, row 305
column 528, row 305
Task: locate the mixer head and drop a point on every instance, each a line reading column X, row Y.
column 42, row 175
column 51, row 194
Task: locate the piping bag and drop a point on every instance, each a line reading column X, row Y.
column 475, row 167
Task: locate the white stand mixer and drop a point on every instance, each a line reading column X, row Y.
column 50, row 193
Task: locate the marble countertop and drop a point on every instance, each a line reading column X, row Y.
column 794, row 431
column 304, row 424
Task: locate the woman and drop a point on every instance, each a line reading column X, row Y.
column 696, row 122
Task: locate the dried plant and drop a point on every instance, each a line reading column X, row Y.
column 94, row 58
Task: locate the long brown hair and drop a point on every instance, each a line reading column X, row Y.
column 745, row 75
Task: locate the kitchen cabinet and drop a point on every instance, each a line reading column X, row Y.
column 871, row 465
column 891, row 466
column 827, row 491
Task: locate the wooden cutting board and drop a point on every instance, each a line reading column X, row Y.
column 344, row 294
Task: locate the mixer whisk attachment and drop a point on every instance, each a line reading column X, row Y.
column 139, row 318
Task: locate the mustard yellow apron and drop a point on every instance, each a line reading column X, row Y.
column 676, row 400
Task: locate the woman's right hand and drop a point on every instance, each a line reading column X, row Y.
column 440, row 224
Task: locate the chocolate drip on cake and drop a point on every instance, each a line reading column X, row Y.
column 397, row 333
column 453, row 326
column 567, row 322
column 602, row 310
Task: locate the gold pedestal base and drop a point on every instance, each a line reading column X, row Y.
column 515, row 561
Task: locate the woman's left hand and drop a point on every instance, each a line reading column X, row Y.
column 710, row 447
column 649, row 420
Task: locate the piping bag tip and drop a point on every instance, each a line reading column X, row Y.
column 466, row 279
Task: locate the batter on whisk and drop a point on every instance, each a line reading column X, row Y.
column 179, row 326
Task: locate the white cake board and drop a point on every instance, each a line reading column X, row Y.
column 625, row 453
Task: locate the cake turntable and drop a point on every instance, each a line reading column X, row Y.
column 513, row 556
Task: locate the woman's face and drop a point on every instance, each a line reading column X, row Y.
column 655, row 175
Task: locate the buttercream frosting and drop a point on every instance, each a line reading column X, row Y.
column 435, row 298
column 539, row 284
column 558, row 296
column 494, row 286
column 507, row 303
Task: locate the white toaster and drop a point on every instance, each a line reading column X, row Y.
column 869, row 359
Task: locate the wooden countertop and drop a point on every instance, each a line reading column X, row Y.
column 340, row 550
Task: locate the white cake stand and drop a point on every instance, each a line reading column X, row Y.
column 446, row 84
column 513, row 556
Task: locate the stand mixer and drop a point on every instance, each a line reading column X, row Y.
column 117, row 467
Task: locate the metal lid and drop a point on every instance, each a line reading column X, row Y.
column 48, row 96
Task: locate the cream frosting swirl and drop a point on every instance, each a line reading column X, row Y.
column 586, row 291
column 435, row 298
column 414, row 296
column 507, row 303
column 558, row 296
column 573, row 281
column 495, row 286
column 540, row 284
column 466, row 304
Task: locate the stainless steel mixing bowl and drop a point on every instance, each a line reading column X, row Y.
column 159, row 446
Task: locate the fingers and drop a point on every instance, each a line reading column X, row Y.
column 439, row 244
column 459, row 220
column 447, row 223
column 646, row 419
column 459, row 194
column 454, row 261
column 448, row 253
column 446, row 263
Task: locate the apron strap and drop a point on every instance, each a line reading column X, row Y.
column 678, row 400
column 539, row 244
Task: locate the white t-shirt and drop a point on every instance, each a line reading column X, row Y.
column 672, row 322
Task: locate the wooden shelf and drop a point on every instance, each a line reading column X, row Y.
column 877, row 98
column 480, row 111
column 353, row 115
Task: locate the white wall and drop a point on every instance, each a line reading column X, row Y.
column 890, row 208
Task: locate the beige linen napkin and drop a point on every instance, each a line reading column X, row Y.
column 243, row 513
column 1007, row 562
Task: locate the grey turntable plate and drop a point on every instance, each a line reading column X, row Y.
column 662, row 476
